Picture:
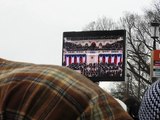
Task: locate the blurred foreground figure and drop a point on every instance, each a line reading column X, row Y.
column 48, row 92
column 132, row 104
column 150, row 105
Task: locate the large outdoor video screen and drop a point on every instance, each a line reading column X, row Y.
column 98, row 55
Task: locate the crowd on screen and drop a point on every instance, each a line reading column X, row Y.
column 98, row 69
column 69, row 46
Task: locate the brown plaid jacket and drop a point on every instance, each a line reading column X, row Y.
column 48, row 92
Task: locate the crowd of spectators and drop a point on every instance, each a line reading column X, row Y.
column 98, row 69
column 114, row 46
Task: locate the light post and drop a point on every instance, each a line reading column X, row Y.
column 127, row 85
column 154, row 35
column 154, row 32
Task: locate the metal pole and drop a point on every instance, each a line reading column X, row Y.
column 127, row 86
column 154, row 48
column 154, row 43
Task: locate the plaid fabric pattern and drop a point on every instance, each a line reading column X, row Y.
column 150, row 105
column 48, row 92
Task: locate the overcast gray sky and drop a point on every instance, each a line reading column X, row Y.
column 31, row 30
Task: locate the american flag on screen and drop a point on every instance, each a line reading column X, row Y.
column 75, row 59
column 102, row 58
column 110, row 58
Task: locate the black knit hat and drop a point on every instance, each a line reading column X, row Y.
column 150, row 105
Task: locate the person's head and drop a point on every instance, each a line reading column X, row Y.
column 132, row 106
column 150, row 105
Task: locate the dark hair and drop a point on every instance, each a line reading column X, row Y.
column 132, row 106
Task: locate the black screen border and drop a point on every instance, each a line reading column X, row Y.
column 101, row 34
